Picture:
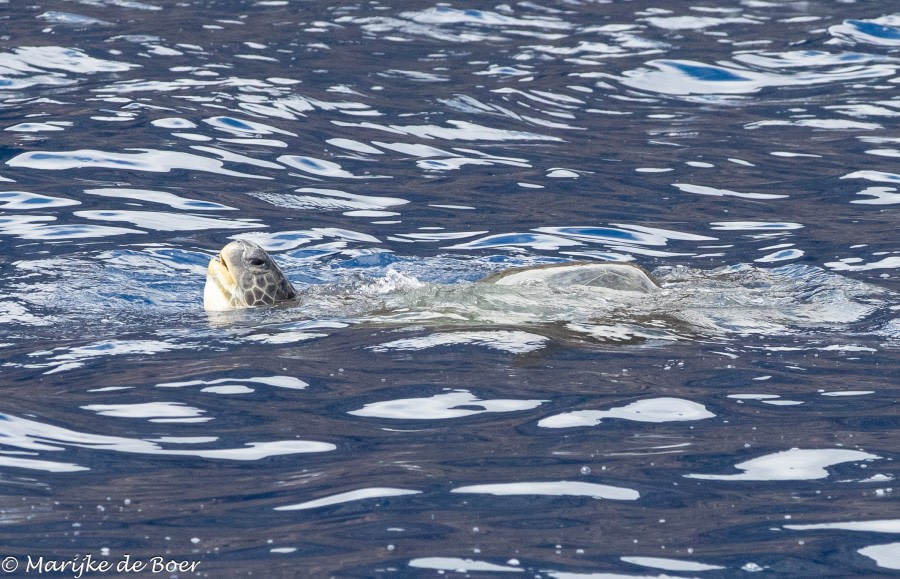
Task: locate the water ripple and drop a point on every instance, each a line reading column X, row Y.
column 650, row 410
column 715, row 192
column 32, row 435
column 25, row 200
column 883, row 31
column 454, row 25
column 458, row 131
column 698, row 22
column 684, row 77
column 793, row 464
column 322, row 168
column 30, row 66
column 161, row 197
column 71, row 19
column 151, row 160
column 456, row 404
column 516, row 342
column 163, row 221
column 36, row 227
column 349, row 496
column 241, row 127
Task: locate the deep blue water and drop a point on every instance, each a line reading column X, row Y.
column 408, row 422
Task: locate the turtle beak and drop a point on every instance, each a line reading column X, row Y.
column 220, row 285
column 218, row 267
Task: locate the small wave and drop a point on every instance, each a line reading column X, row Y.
column 790, row 465
column 455, row 404
column 30, row 66
column 36, row 437
column 72, row 19
column 883, row 31
column 685, row 77
column 151, row 160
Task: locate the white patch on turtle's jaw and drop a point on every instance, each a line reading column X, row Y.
column 219, row 291
column 244, row 275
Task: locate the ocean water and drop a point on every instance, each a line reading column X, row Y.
column 405, row 420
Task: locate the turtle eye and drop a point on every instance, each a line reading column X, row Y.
column 256, row 261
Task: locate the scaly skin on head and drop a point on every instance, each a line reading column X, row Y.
column 244, row 275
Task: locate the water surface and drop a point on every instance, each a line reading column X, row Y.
column 406, row 420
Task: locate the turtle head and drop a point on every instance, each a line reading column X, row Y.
column 243, row 275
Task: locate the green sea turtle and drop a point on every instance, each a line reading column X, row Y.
column 243, row 275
